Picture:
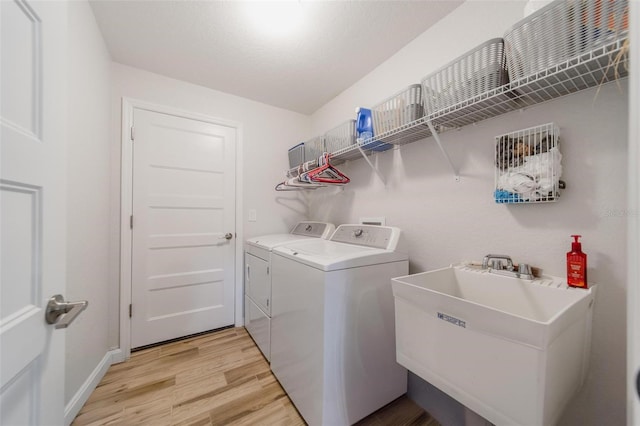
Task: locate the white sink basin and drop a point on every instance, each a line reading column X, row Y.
column 514, row 351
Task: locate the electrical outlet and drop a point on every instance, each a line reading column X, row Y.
column 252, row 215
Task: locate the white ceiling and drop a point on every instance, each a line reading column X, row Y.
column 212, row 44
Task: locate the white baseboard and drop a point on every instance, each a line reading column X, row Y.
column 117, row 356
column 75, row 405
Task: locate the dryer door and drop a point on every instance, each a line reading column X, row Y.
column 257, row 281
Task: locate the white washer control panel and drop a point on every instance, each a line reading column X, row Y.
column 313, row 229
column 384, row 237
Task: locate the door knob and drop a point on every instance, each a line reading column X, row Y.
column 227, row 236
column 57, row 307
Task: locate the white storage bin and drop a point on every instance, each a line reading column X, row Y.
column 477, row 71
column 560, row 31
column 314, row 148
column 341, row 136
column 296, row 155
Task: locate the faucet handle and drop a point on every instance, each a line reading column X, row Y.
column 524, row 271
column 496, row 264
column 524, row 268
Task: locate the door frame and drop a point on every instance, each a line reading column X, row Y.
column 633, row 222
column 126, row 209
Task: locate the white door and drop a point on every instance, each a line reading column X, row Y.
column 183, row 252
column 32, row 199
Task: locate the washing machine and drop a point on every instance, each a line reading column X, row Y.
column 257, row 277
column 332, row 327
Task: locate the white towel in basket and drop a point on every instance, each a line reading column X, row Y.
column 536, row 179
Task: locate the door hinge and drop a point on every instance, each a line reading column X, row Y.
column 132, row 133
column 267, row 270
column 130, row 310
column 131, row 222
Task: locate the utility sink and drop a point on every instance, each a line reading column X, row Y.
column 515, row 351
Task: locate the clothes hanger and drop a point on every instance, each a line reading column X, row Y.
column 325, row 173
column 313, row 174
column 293, row 184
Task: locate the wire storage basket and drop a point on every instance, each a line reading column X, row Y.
column 314, row 148
column 528, row 165
column 476, row 72
column 560, row 31
column 341, row 136
column 398, row 110
column 296, row 155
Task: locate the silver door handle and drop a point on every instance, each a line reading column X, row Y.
column 57, row 307
column 227, row 236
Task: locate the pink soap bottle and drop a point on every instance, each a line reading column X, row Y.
column 576, row 265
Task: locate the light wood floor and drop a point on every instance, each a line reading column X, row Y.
column 219, row 378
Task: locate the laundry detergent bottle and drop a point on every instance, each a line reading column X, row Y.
column 364, row 130
column 576, row 265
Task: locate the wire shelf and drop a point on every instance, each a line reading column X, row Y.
column 585, row 71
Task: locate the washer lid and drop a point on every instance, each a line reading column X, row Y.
column 270, row 241
column 302, row 231
column 330, row 256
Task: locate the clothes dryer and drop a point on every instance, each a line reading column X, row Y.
column 257, row 277
column 333, row 329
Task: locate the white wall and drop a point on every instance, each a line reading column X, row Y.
column 88, row 171
column 267, row 133
column 447, row 221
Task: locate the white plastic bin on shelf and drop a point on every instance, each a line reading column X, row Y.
column 341, row 136
column 398, row 110
column 476, row 72
column 296, row 155
column 560, row 31
column 512, row 350
column 313, row 148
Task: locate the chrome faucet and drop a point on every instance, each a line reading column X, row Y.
column 497, row 264
column 524, row 270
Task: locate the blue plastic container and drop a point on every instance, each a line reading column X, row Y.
column 364, row 130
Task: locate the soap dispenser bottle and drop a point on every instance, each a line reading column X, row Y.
column 576, row 265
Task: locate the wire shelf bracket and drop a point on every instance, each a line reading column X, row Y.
column 374, row 168
column 436, row 137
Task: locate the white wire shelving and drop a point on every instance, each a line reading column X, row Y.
column 599, row 66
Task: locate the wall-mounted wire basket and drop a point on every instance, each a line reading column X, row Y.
column 528, row 165
column 341, row 136
column 296, row 155
column 562, row 30
column 314, row 147
column 476, row 72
